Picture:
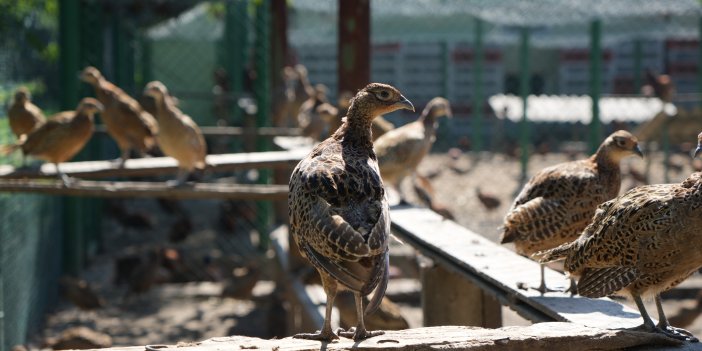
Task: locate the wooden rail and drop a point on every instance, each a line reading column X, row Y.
column 500, row 272
column 268, row 132
column 89, row 188
column 152, row 166
column 537, row 337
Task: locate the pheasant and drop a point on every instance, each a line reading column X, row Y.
column 402, row 149
column 288, row 100
column 558, row 202
column 380, row 125
column 316, row 113
column 639, row 244
column 24, row 116
column 339, row 216
column 61, row 137
column 126, row 121
column 179, row 137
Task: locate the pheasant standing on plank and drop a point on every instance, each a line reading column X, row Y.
column 179, row 137
column 24, row 116
column 126, row 121
column 640, row 244
column 338, row 211
column 402, row 149
column 558, row 202
column 61, row 137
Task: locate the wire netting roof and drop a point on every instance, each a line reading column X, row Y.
column 552, row 22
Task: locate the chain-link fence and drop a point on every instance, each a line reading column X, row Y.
column 214, row 60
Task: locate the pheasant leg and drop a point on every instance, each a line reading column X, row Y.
column 62, row 176
column 181, row 177
column 542, row 288
column 359, row 332
column 326, row 334
column 664, row 325
column 649, row 326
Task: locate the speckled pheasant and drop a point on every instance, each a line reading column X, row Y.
column 558, row 202
column 640, row 244
column 126, row 121
column 61, row 137
column 179, row 137
column 338, row 210
column 402, row 149
column 24, row 116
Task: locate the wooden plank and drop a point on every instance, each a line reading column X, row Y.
column 500, row 271
column 152, row 166
column 264, row 192
column 207, row 131
column 542, row 336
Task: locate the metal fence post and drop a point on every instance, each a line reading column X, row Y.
column 69, row 41
column 524, row 93
column 595, row 83
column 263, row 98
column 478, row 86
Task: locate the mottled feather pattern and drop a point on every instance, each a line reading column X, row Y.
column 642, row 242
column 558, row 202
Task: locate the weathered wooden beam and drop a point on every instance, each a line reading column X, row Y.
column 207, row 131
column 503, row 274
column 153, row 166
column 542, row 336
column 87, row 188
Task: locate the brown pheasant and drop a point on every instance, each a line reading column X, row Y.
column 639, row 244
column 61, row 137
column 179, row 137
column 379, row 127
column 316, row 113
column 402, row 149
column 295, row 91
column 24, row 116
column 558, row 202
column 126, row 121
column 338, row 211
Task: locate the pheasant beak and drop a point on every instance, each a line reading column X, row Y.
column 404, row 103
column 637, row 151
column 697, row 150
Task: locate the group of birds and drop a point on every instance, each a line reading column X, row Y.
column 132, row 126
column 638, row 244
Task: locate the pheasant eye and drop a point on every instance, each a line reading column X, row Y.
column 384, row 95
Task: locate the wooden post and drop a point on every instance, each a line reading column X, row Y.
column 354, row 45
column 449, row 299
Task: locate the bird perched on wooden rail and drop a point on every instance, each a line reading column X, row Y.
column 24, row 116
column 61, row 137
column 558, row 202
column 179, row 137
column 402, row 149
column 640, row 244
column 339, row 216
column 126, row 121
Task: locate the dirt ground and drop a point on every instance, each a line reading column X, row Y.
column 189, row 311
